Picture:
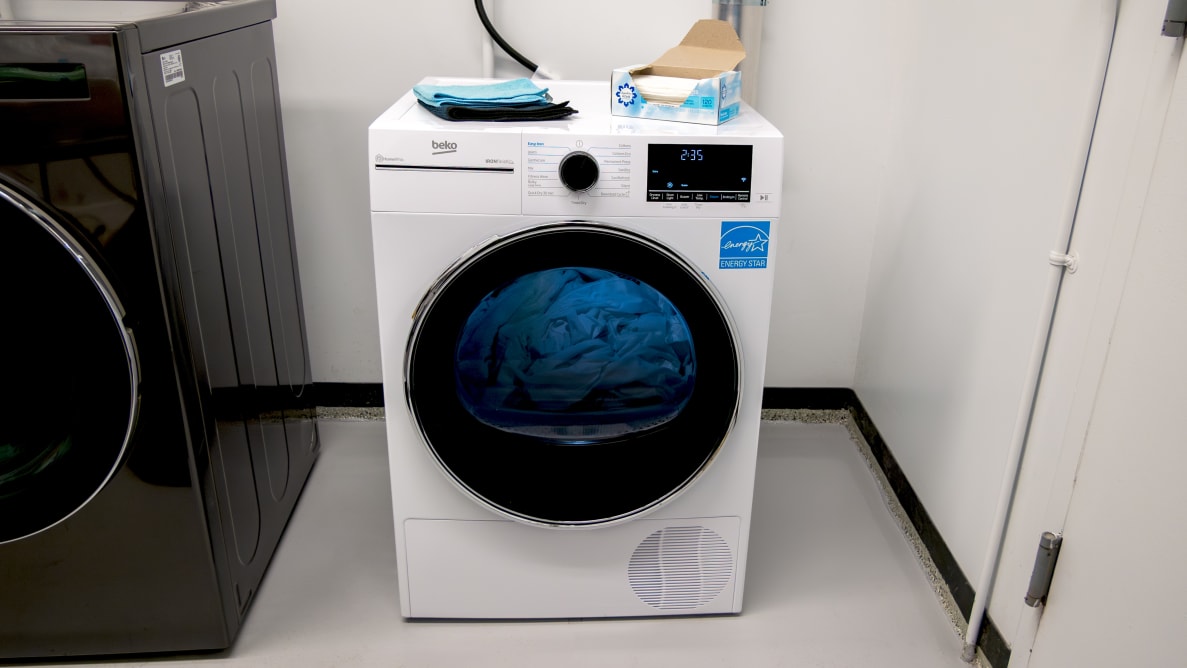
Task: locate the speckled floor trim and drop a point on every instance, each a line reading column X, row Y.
column 938, row 586
column 806, row 415
column 350, row 413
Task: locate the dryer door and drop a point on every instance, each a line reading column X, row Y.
column 573, row 374
column 69, row 369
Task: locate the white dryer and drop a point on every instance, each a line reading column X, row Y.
column 573, row 319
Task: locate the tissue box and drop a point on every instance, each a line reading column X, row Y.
column 706, row 57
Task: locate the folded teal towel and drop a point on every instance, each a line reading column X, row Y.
column 516, row 92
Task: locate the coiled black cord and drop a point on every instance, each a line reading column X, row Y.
column 494, row 34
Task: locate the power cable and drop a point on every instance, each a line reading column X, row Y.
column 494, row 34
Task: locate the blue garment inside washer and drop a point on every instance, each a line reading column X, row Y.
column 576, row 355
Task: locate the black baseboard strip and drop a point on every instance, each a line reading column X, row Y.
column 991, row 641
column 348, row 395
column 808, row 398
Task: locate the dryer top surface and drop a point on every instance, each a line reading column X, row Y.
column 592, row 100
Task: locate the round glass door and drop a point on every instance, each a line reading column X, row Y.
column 573, row 374
column 69, row 368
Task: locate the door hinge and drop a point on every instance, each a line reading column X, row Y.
column 1175, row 23
column 1044, row 569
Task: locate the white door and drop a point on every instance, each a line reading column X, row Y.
column 1117, row 598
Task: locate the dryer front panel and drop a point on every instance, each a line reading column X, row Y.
column 573, row 374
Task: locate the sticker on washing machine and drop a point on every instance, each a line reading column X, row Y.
column 744, row 244
column 172, row 68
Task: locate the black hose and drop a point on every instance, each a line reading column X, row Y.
column 494, row 34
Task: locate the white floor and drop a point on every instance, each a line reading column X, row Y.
column 831, row 581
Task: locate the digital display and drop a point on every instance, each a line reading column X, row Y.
column 699, row 172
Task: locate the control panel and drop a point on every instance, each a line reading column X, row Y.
column 556, row 166
column 589, row 166
column 569, row 174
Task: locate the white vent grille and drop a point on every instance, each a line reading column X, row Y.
column 680, row 568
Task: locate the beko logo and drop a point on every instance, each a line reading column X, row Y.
column 440, row 147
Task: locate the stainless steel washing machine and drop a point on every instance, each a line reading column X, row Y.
column 157, row 427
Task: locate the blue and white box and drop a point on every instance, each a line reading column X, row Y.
column 703, row 62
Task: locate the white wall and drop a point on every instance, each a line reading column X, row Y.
column 829, row 74
column 340, row 64
column 825, row 83
column 583, row 40
column 995, row 98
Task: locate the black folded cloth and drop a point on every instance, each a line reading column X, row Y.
column 535, row 112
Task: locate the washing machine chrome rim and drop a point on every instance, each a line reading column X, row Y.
column 90, row 267
column 492, row 244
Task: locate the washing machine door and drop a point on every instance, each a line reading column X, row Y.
column 573, row 374
column 69, row 368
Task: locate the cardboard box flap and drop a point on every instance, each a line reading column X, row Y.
column 710, row 45
column 681, row 72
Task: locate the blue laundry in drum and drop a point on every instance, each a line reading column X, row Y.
column 576, row 355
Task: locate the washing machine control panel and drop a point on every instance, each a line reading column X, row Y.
column 616, row 175
column 560, row 166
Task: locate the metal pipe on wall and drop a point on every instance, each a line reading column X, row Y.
column 746, row 17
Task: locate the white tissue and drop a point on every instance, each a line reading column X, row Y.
column 664, row 90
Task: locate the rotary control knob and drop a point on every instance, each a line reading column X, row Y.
column 578, row 171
